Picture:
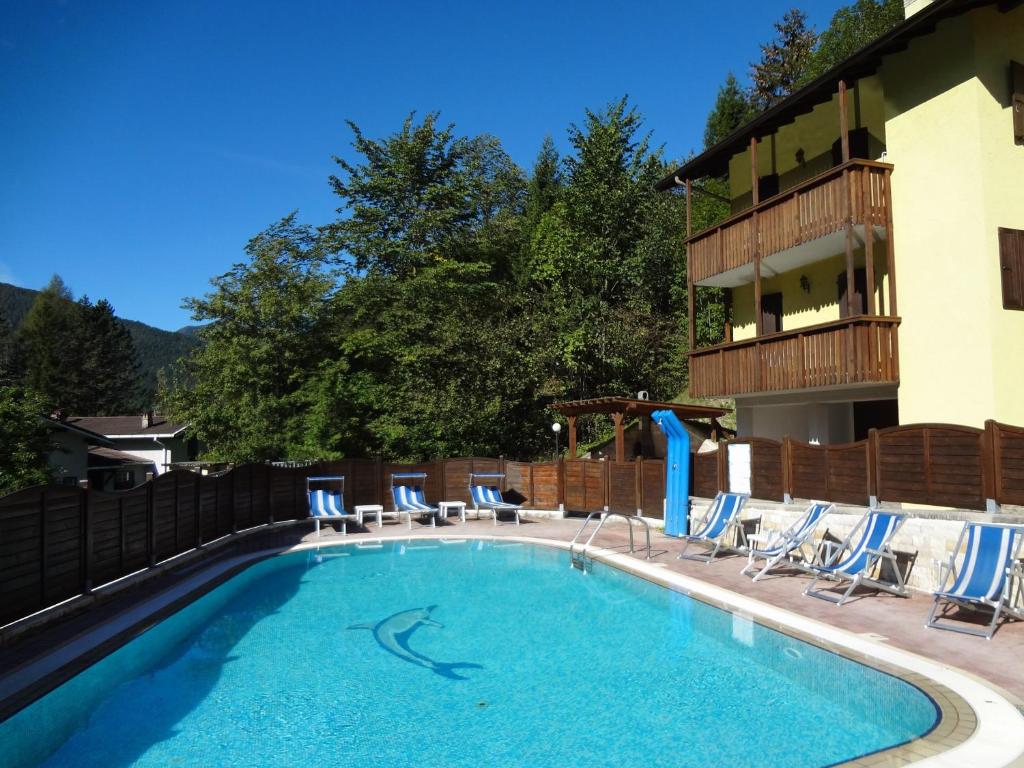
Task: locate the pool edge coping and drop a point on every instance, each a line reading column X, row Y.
column 987, row 729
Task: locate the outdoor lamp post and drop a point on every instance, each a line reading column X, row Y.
column 557, row 429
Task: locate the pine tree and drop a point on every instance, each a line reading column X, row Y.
column 784, row 61
column 852, row 27
column 732, row 109
column 49, row 346
column 110, row 380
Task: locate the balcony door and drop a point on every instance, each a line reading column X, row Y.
column 771, row 313
column 860, row 292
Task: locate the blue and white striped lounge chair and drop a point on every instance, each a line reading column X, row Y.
column 790, row 544
column 863, row 561
column 410, row 500
column 986, row 577
column 487, row 495
column 329, row 505
column 719, row 527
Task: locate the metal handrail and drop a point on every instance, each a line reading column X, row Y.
column 630, row 519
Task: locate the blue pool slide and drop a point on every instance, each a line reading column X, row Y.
column 677, row 473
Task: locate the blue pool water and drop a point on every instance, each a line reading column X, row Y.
column 460, row 654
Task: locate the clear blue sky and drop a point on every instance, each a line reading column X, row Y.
column 143, row 143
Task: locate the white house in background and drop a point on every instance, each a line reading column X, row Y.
column 139, row 441
column 69, row 457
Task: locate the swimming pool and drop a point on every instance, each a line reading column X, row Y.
column 461, row 653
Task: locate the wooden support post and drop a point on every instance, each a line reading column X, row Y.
column 620, row 437
column 727, row 293
column 691, row 288
column 754, row 245
column 572, row 436
column 889, row 244
column 869, row 239
column 852, row 309
column 844, row 126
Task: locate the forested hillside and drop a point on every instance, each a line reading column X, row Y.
column 156, row 349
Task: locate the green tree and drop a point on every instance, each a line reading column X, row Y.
column 24, row 439
column 427, row 354
column 247, row 390
column 605, row 266
column 852, row 27
column 731, row 110
column 109, row 379
column 784, row 61
column 422, row 194
column 48, row 346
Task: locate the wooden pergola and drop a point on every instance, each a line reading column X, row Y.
column 619, row 408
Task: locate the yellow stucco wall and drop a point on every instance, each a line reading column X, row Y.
column 804, row 149
column 799, row 308
column 958, row 177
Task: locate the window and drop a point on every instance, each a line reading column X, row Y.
column 860, row 293
column 771, row 313
column 124, row 479
column 1011, row 267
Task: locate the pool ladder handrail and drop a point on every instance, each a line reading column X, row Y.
column 579, row 559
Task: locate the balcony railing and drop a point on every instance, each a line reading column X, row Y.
column 808, row 211
column 863, row 349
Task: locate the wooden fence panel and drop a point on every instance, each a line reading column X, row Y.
column 185, row 500
column 164, row 518
column 135, row 511
column 457, row 472
column 260, row 499
column 519, row 483
column 282, row 493
column 937, row 464
column 1007, row 446
column 622, row 487
column 21, row 542
column 585, row 483
column 652, row 486
column 209, row 528
column 849, row 473
column 241, row 496
column 545, row 485
column 107, row 520
column 808, row 471
column 63, row 544
column 765, row 467
column 706, row 482
column 363, row 487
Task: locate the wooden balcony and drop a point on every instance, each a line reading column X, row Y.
column 862, row 349
column 857, row 191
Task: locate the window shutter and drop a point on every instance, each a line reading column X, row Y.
column 1011, row 267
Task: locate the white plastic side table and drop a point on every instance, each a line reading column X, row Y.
column 363, row 510
column 447, row 507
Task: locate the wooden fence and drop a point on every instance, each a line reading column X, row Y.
column 57, row 542
column 940, row 464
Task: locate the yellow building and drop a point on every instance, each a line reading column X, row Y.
column 906, row 160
